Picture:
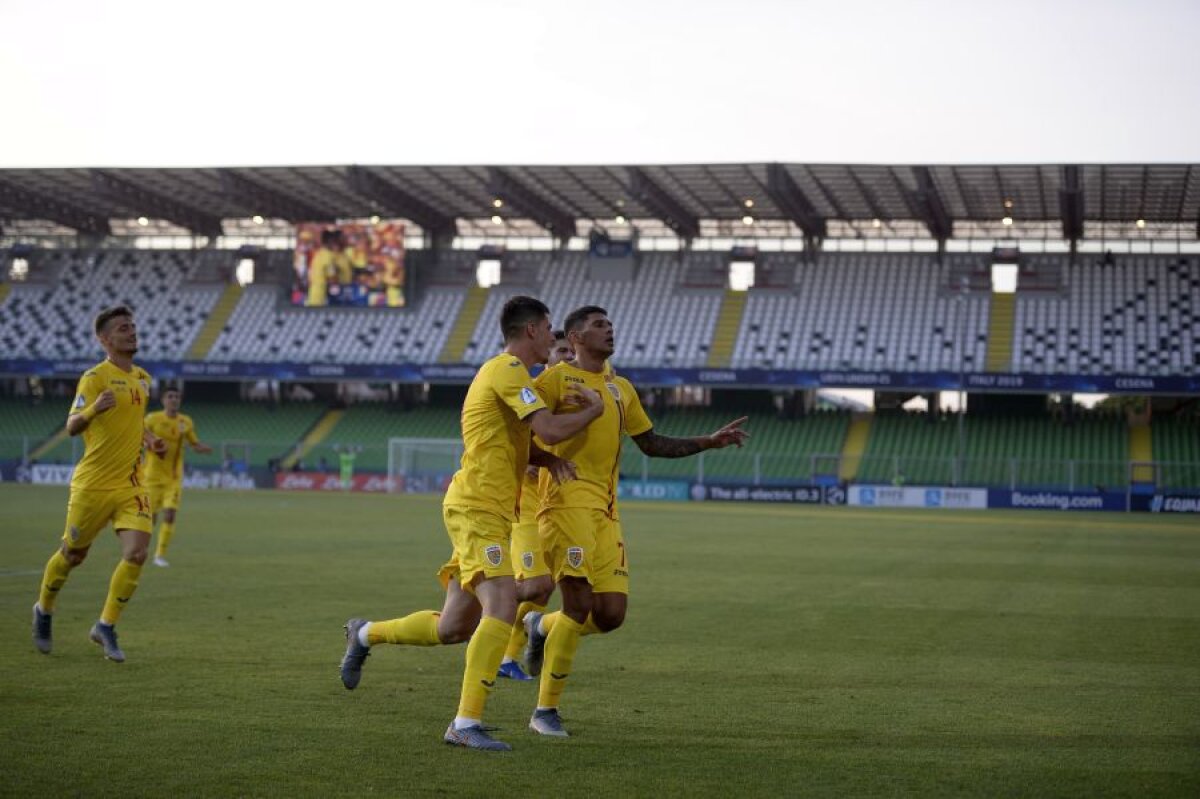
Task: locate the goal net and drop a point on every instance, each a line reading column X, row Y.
column 422, row 465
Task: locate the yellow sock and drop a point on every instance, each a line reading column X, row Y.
column 120, row 588
column 165, row 531
column 484, row 653
column 589, row 626
column 516, row 641
column 57, row 570
column 560, row 653
column 415, row 629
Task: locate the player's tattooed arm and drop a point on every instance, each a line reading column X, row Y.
column 656, row 446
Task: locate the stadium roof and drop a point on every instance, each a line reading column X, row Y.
column 810, row 200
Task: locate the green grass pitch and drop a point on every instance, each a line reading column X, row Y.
column 769, row 650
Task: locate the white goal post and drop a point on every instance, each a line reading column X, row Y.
column 421, row 465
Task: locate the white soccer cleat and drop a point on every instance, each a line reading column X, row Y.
column 161, row 561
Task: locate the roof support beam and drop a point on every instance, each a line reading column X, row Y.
column 559, row 221
column 664, row 207
column 397, row 201
column 262, row 201
column 155, row 205
column 794, row 203
column 929, row 206
column 1070, row 205
column 39, row 206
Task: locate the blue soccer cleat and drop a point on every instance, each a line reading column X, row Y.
column 41, row 630
column 106, row 636
column 512, row 670
column 535, row 647
column 547, row 722
column 474, row 738
column 356, row 653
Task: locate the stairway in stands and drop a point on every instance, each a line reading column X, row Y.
column 215, row 323
column 729, row 322
column 1000, row 333
column 464, row 325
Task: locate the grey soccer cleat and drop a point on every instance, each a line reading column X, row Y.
column 41, row 630
column 547, row 722
column 106, row 636
column 356, row 653
column 474, row 738
column 535, row 646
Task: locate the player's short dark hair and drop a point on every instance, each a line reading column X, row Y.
column 172, row 388
column 109, row 314
column 577, row 317
column 560, row 334
column 518, row 312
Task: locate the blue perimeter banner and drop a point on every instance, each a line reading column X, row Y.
column 740, row 378
column 1057, row 500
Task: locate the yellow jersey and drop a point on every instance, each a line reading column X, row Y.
column 531, row 501
column 596, row 451
column 495, row 434
column 112, row 456
column 175, row 431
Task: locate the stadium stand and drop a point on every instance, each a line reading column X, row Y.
column 917, row 448
column 263, row 328
column 1138, row 316
column 25, row 424
column 262, row 430
column 854, row 311
column 649, row 331
column 55, row 321
column 370, row 427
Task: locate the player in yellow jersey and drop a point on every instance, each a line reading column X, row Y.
column 534, row 583
column 107, row 485
column 164, row 473
column 579, row 523
column 500, row 410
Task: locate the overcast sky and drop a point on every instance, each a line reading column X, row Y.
column 169, row 83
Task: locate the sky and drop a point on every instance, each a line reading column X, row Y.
column 654, row 81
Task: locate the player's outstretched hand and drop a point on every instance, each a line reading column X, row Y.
column 106, row 400
column 159, row 447
column 562, row 470
column 731, row 435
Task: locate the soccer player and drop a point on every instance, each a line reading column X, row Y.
column 107, row 484
column 579, row 523
column 534, row 583
column 164, row 473
column 500, row 410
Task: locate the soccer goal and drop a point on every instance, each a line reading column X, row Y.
column 422, row 465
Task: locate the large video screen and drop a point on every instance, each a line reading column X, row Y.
column 351, row 264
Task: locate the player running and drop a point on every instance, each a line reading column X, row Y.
column 107, row 483
column 479, row 509
column 164, row 473
column 579, row 524
column 534, row 583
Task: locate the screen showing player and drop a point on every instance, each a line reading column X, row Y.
column 356, row 264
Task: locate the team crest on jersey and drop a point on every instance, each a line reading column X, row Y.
column 574, row 557
column 527, row 560
column 80, row 401
column 527, row 395
column 145, row 386
column 615, row 390
column 182, row 426
column 494, row 554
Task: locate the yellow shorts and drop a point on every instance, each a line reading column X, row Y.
column 583, row 542
column 480, row 540
column 164, row 496
column 528, row 559
column 90, row 510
